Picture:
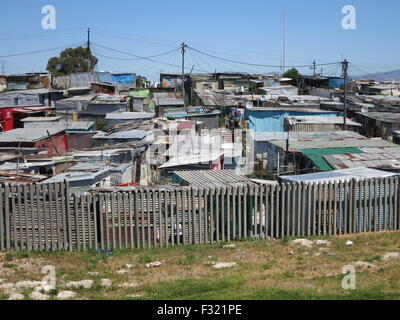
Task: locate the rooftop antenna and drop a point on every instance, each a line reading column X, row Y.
column 284, row 38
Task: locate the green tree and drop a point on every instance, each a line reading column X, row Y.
column 72, row 60
column 252, row 87
column 293, row 74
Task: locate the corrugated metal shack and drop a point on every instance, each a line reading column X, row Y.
column 97, row 108
column 73, row 104
column 167, row 102
column 43, row 97
column 54, row 140
column 318, row 124
column 209, row 118
column 134, row 135
column 28, row 81
column 339, row 175
column 379, row 124
column 210, row 178
column 326, row 155
column 122, row 117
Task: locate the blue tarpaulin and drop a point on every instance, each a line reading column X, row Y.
column 336, row 82
column 108, row 77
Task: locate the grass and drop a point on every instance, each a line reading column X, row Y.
column 266, row 269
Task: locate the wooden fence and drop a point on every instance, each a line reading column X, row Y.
column 48, row 217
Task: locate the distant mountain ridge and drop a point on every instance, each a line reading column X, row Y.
column 382, row 76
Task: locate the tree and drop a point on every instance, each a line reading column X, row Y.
column 293, row 74
column 72, row 60
column 252, row 87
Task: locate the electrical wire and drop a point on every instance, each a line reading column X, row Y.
column 34, row 52
column 260, row 65
column 40, row 35
column 143, row 58
column 129, row 37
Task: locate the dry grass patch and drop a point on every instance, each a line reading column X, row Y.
column 265, row 269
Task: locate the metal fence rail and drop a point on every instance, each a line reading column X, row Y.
column 49, row 217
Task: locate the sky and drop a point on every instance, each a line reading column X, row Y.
column 244, row 31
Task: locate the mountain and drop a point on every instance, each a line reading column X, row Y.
column 381, row 76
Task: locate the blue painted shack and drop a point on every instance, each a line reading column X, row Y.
column 271, row 119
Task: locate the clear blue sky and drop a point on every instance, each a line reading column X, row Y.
column 248, row 31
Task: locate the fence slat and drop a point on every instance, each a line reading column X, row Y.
column 212, row 215
column 48, row 217
column 2, row 224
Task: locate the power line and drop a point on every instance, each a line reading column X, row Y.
column 34, row 52
column 39, row 35
column 144, row 58
column 261, row 65
column 118, row 36
column 141, row 58
column 136, row 37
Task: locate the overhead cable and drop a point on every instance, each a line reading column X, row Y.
column 261, row 65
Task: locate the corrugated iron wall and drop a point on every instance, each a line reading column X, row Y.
column 48, row 217
column 313, row 127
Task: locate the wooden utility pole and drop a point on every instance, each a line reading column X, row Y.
column 314, row 67
column 183, row 48
column 88, row 48
column 345, row 67
column 88, row 40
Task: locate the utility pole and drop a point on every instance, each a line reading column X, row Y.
column 88, row 40
column 88, row 48
column 314, row 67
column 3, row 67
column 345, row 67
column 183, row 48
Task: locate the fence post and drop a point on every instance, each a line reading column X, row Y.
column 393, row 204
column 2, row 224
column 245, row 211
column 160, row 219
column 397, row 204
column 277, row 210
column 272, row 202
column 239, row 192
column 267, row 211
column 101, row 219
column 386, row 207
column 205, row 193
column 77, row 224
column 330, row 198
column 228, row 212
column 234, row 197
column 68, row 214
column 283, row 209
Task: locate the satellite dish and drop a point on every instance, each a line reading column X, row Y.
column 364, row 109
